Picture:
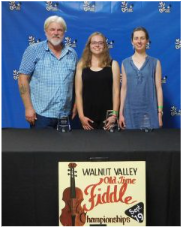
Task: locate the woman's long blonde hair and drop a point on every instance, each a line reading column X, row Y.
column 105, row 59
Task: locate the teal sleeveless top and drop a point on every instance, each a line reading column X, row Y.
column 140, row 109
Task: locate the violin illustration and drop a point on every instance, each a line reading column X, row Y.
column 73, row 213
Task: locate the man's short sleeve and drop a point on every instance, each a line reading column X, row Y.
column 28, row 61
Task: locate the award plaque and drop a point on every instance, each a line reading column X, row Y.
column 63, row 124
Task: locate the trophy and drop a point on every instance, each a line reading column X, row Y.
column 63, row 124
column 145, row 124
column 110, row 118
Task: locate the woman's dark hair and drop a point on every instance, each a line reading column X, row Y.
column 140, row 29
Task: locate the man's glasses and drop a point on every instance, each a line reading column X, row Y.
column 95, row 43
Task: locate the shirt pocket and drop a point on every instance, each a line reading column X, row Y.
column 43, row 69
column 70, row 68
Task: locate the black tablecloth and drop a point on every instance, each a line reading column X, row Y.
column 30, row 170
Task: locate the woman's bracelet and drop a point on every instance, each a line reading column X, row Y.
column 115, row 113
column 160, row 107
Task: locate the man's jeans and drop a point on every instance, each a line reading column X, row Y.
column 45, row 122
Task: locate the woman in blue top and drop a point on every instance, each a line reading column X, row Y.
column 141, row 93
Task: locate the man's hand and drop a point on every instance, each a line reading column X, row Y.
column 30, row 116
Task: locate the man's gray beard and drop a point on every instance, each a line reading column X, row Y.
column 54, row 42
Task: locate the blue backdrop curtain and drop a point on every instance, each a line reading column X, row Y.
column 22, row 25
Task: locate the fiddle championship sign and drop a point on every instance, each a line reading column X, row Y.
column 102, row 193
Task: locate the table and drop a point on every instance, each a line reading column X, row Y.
column 30, row 170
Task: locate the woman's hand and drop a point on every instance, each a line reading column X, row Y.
column 109, row 123
column 160, row 119
column 85, row 121
column 121, row 122
column 74, row 111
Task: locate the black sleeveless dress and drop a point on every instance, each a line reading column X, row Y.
column 97, row 94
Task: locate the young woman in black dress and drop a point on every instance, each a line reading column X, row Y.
column 97, row 84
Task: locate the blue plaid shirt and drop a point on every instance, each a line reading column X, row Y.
column 51, row 84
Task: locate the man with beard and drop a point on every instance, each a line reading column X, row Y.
column 46, row 76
